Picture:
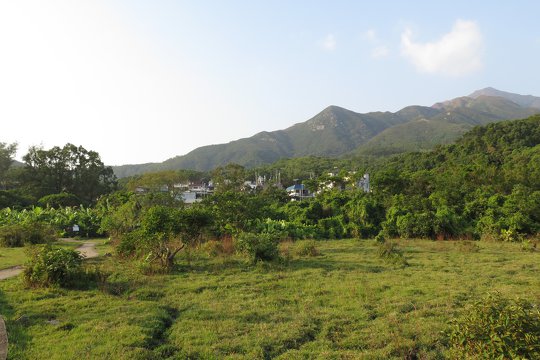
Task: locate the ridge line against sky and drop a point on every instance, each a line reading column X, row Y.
column 142, row 81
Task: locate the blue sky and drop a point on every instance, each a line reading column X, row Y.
column 142, row 81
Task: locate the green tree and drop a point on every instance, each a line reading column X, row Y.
column 365, row 215
column 69, row 169
column 230, row 177
column 7, row 151
column 165, row 232
column 235, row 211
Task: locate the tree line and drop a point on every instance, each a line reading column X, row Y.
column 60, row 176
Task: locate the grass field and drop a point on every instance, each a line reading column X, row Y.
column 17, row 256
column 11, row 256
column 345, row 304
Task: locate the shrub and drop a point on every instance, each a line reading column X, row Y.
column 18, row 235
column 391, row 253
column 332, row 227
column 529, row 245
column 497, row 328
column 510, row 235
column 129, row 244
column 285, row 229
column 259, row 247
column 306, row 248
column 59, row 200
column 468, row 246
column 48, row 266
column 380, row 238
column 415, row 225
column 212, row 247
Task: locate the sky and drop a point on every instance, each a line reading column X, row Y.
column 143, row 81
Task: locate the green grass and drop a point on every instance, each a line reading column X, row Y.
column 11, row 257
column 17, row 256
column 346, row 303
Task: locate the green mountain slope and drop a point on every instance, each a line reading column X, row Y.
column 416, row 135
column 333, row 132
column 336, row 131
column 452, row 119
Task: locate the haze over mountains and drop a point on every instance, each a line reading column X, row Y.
column 336, row 131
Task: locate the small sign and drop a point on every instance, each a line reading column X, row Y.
column 75, row 228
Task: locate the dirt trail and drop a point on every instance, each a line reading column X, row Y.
column 10, row 272
column 87, row 249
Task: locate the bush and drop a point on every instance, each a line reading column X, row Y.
column 18, row 235
column 59, row 200
column 380, row 238
column 391, row 253
column 212, row 247
column 259, row 247
column 497, row 328
column 129, row 244
column 48, row 266
column 285, row 229
column 332, row 227
column 529, row 245
column 468, row 246
column 306, row 248
column 510, row 235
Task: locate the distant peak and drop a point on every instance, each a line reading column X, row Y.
column 522, row 100
column 489, row 91
column 333, row 108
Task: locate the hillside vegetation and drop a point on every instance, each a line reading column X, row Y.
column 336, row 132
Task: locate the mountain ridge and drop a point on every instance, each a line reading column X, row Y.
column 336, row 131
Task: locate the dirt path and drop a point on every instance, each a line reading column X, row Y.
column 87, row 249
column 10, row 272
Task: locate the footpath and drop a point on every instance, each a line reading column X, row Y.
column 87, row 249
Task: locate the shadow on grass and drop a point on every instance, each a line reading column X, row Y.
column 18, row 339
column 292, row 264
column 333, row 265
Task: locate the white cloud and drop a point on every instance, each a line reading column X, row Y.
column 456, row 53
column 329, row 42
column 380, row 52
column 370, row 35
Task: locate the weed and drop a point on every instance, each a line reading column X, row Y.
column 306, row 248
column 468, row 246
column 529, row 245
column 392, row 253
column 497, row 328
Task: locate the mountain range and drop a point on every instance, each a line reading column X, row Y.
column 336, row 131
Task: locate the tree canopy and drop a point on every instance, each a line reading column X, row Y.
column 7, row 151
column 70, row 169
